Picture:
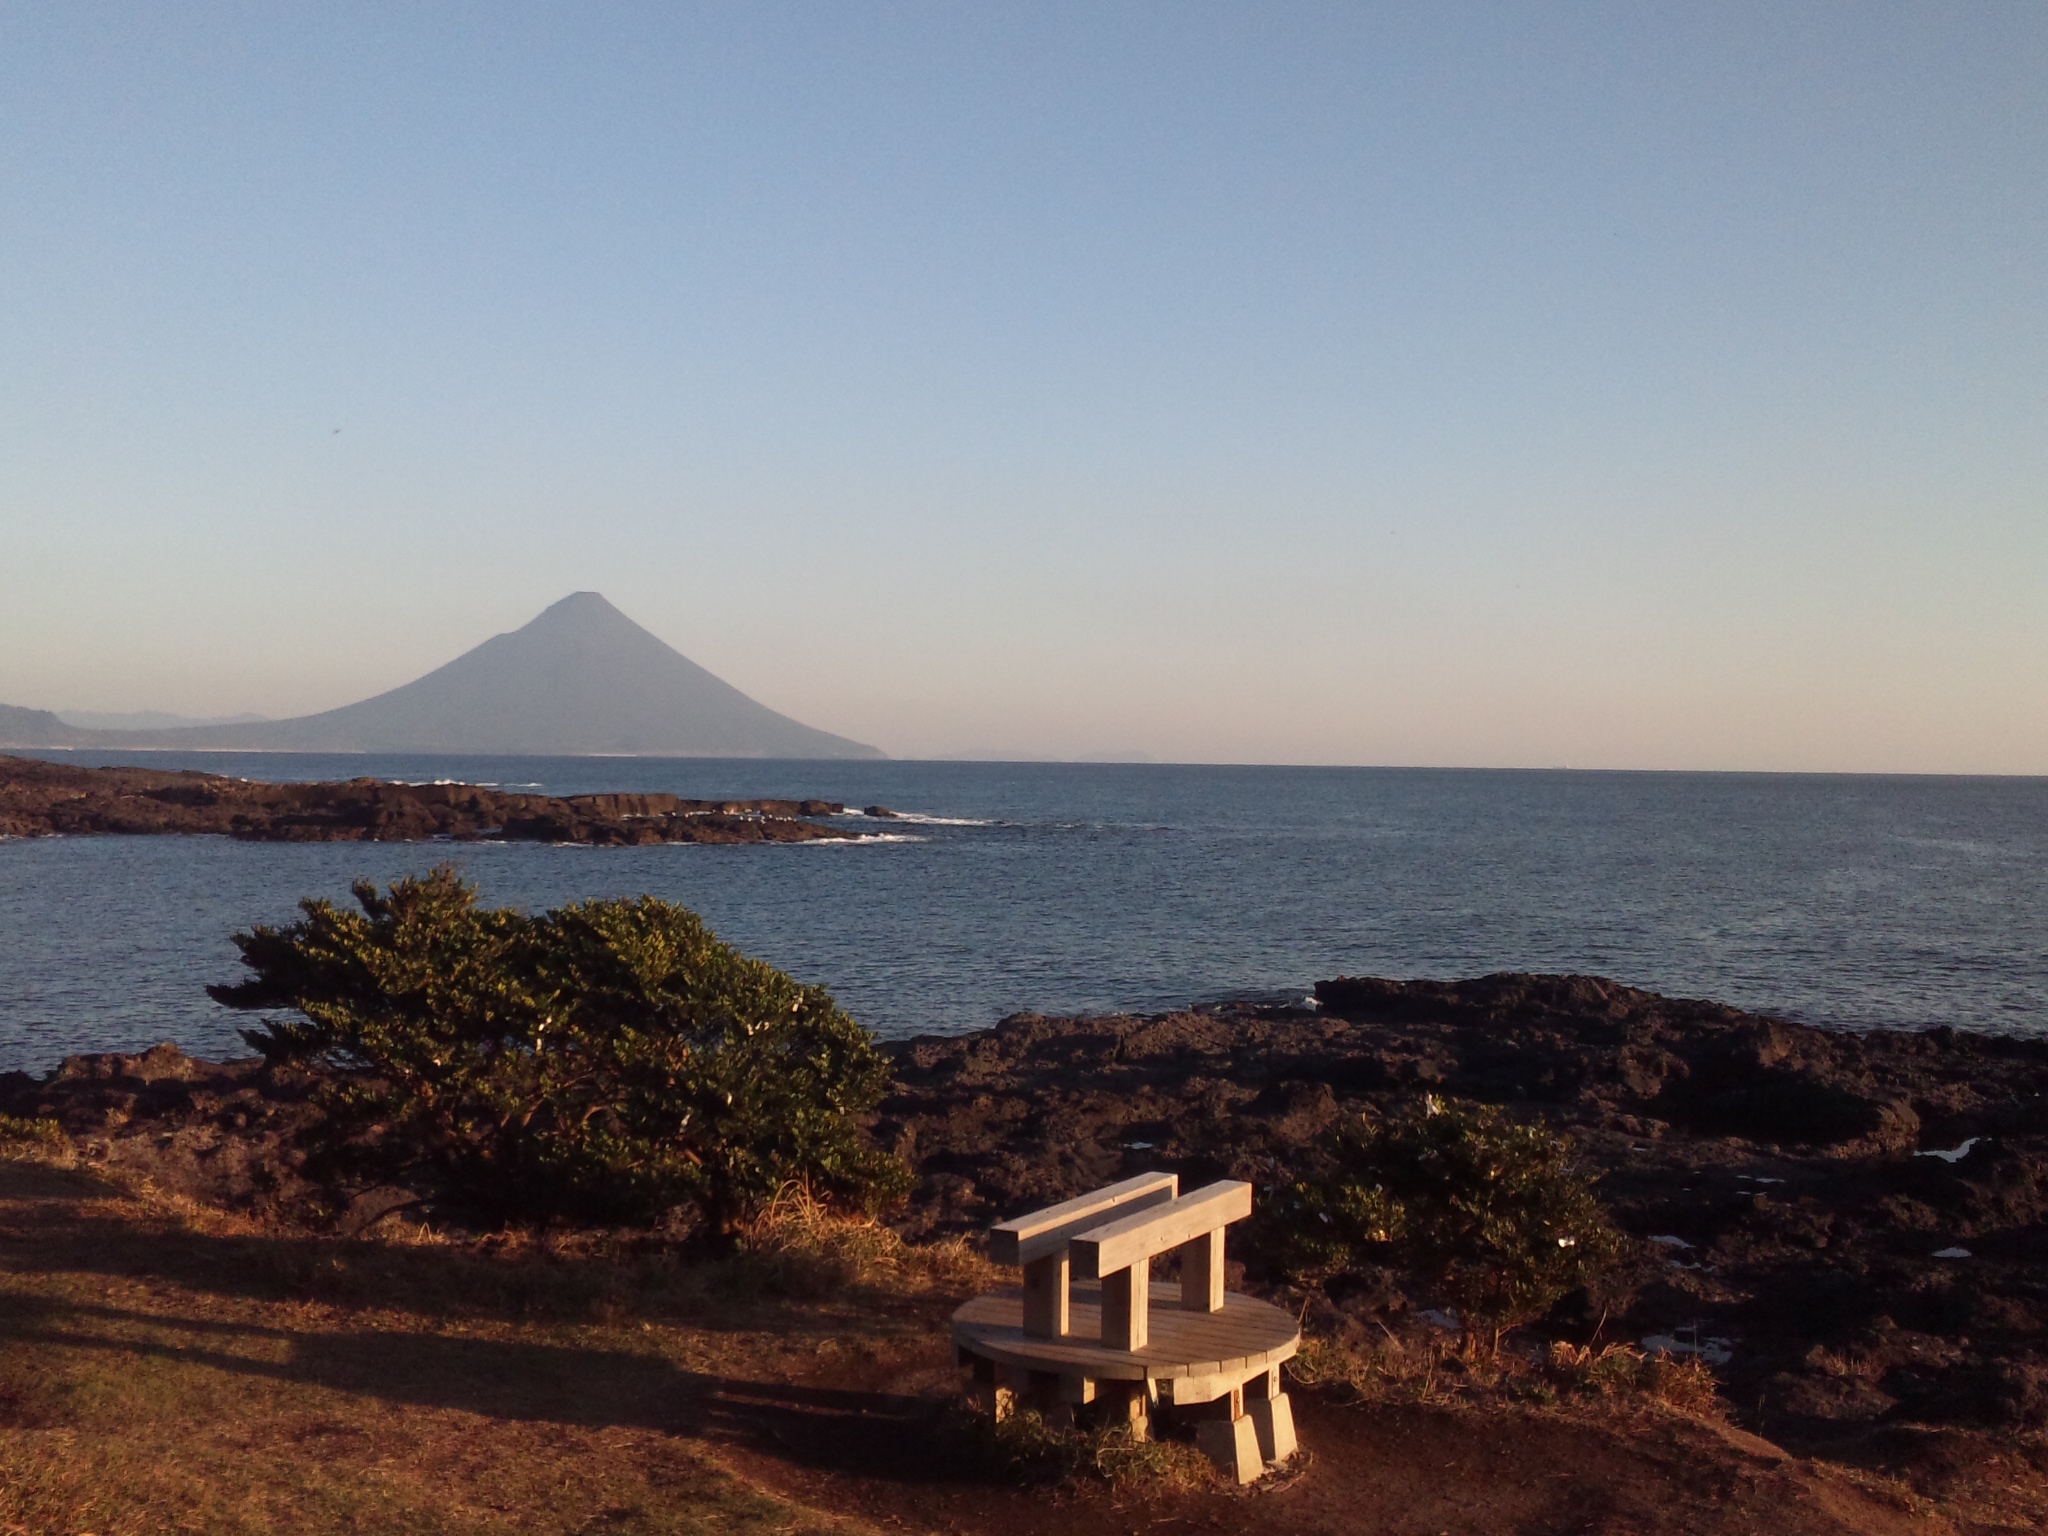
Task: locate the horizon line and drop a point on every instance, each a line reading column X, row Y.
column 1062, row 762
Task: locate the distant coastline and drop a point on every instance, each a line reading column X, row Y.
column 39, row 798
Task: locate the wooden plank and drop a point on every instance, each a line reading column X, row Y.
column 1244, row 1336
column 1118, row 1244
column 1243, row 1326
column 1042, row 1233
column 1249, row 1332
column 1077, row 1359
column 1085, row 1358
column 1034, row 1354
column 1126, row 1297
column 1201, row 1273
column 1046, row 1306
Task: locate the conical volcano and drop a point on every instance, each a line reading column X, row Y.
column 580, row 680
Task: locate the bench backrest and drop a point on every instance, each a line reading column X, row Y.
column 1112, row 1235
column 1045, row 1234
column 1118, row 1244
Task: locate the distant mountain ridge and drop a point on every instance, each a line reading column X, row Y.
column 580, row 680
column 144, row 719
column 38, row 728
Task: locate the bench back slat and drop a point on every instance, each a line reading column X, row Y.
column 1045, row 1233
column 1118, row 1244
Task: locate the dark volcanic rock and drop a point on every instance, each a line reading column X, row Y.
column 224, row 1132
column 1787, row 1171
column 39, row 798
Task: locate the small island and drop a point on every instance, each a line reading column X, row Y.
column 42, row 799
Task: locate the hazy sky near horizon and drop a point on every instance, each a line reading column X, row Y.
column 1644, row 385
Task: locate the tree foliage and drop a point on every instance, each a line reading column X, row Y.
column 609, row 1060
column 1489, row 1214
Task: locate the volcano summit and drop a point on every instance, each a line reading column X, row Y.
column 582, row 679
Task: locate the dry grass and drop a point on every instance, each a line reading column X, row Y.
column 1618, row 1372
column 43, row 1138
column 165, row 1367
column 1440, row 1369
column 800, row 1247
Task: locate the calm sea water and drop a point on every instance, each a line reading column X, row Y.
column 1856, row 901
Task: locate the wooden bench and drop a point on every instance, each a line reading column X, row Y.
column 1124, row 1341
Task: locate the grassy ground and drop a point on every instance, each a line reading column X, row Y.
column 167, row 1368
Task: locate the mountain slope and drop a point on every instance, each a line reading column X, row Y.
column 581, row 679
column 37, row 728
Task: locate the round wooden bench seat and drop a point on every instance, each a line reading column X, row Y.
column 1207, row 1353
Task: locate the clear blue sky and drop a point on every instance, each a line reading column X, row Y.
column 1633, row 385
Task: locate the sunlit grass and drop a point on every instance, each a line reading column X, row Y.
column 167, row 1368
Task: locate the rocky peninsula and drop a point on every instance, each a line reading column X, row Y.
column 39, row 799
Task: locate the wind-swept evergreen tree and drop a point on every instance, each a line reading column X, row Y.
column 609, row 1060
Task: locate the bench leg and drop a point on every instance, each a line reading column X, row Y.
column 989, row 1390
column 1127, row 1405
column 1046, row 1296
column 1233, row 1444
column 1272, row 1419
column 1126, row 1296
column 1201, row 1273
column 1045, row 1392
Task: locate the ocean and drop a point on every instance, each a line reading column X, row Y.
column 1848, row 901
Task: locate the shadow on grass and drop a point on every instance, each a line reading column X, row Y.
column 53, row 1225
column 602, row 1280
column 874, row 1434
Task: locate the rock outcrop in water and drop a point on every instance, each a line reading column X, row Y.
column 40, row 798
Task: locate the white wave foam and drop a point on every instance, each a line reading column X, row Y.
column 865, row 837
column 917, row 819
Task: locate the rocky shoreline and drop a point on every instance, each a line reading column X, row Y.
column 1852, row 1228
column 39, row 799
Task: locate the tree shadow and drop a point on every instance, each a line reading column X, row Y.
column 874, row 1434
column 54, row 1224
column 513, row 1283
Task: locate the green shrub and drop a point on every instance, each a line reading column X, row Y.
column 607, row 1061
column 1488, row 1214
